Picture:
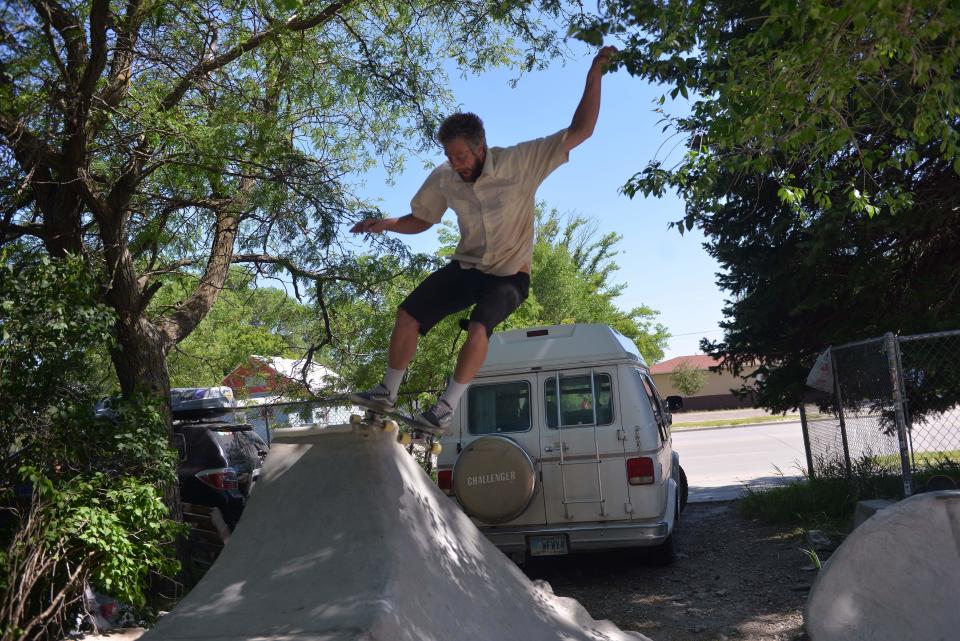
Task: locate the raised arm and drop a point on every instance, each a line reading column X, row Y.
column 585, row 117
column 408, row 224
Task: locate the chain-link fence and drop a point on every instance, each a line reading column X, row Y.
column 931, row 379
column 895, row 403
column 267, row 417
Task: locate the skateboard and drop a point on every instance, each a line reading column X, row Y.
column 389, row 421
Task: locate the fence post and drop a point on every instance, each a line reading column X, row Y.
column 896, row 383
column 266, row 422
column 843, row 423
column 806, row 440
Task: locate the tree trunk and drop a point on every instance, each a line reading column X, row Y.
column 141, row 360
column 141, row 365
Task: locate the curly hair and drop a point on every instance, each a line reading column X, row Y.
column 463, row 125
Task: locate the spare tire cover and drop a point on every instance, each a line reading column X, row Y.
column 494, row 479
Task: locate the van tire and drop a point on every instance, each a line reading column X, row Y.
column 684, row 491
column 663, row 554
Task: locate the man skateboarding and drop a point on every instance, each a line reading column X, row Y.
column 492, row 191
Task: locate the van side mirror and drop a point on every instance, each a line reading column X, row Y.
column 674, row 403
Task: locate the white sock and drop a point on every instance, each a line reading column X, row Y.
column 392, row 379
column 453, row 393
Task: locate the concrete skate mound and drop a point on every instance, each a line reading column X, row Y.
column 896, row 577
column 345, row 537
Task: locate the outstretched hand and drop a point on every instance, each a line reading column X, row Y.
column 371, row 226
column 602, row 59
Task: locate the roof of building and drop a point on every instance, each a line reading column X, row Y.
column 700, row 361
column 292, row 368
column 289, row 369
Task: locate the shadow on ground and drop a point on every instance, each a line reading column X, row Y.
column 700, row 493
column 737, row 578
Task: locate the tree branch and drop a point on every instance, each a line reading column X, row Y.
column 69, row 29
column 29, row 150
column 295, row 270
column 99, row 13
column 11, row 231
column 294, row 24
column 258, row 259
column 179, row 325
column 118, row 82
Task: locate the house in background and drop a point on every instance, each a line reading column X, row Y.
column 276, row 393
column 714, row 395
column 271, row 379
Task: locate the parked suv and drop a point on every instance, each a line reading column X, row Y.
column 220, row 457
column 562, row 443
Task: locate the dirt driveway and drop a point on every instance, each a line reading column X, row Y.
column 736, row 579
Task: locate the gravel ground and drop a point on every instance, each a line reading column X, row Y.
column 737, row 578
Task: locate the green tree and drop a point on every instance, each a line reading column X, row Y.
column 156, row 139
column 80, row 496
column 361, row 320
column 161, row 138
column 820, row 160
column 572, row 279
column 248, row 319
column 687, row 378
column 571, row 271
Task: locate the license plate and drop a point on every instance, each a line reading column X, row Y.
column 548, row 545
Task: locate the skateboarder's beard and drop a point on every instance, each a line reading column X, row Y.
column 474, row 172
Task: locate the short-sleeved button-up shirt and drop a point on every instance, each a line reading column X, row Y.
column 495, row 213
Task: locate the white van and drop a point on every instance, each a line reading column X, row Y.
column 596, row 470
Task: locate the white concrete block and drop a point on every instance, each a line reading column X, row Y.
column 346, row 538
column 865, row 509
column 895, row 578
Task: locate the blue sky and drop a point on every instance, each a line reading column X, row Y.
column 662, row 269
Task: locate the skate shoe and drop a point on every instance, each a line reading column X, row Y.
column 438, row 417
column 377, row 398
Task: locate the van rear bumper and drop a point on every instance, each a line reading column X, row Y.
column 582, row 536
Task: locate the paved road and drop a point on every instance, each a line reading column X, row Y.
column 720, row 462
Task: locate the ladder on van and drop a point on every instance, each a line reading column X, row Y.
column 596, row 444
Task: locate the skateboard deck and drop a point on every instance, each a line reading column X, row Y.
column 389, row 420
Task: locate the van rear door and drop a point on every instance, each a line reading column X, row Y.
column 582, row 454
column 504, row 406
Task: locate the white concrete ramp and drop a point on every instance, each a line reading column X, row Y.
column 345, row 537
column 895, row 578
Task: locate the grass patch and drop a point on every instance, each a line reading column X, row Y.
column 923, row 460
column 827, row 501
column 737, row 421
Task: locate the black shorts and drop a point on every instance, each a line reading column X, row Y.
column 452, row 288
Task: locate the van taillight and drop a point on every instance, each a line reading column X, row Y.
column 640, row 471
column 445, row 481
column 220, row 478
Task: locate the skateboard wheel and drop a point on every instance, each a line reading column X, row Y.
column 356, row 419
column 390, row 426
column 435, row 449
column 404, row 438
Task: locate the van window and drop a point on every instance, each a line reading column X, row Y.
column 498, row 408
column 650, row 391
column 576, row 405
